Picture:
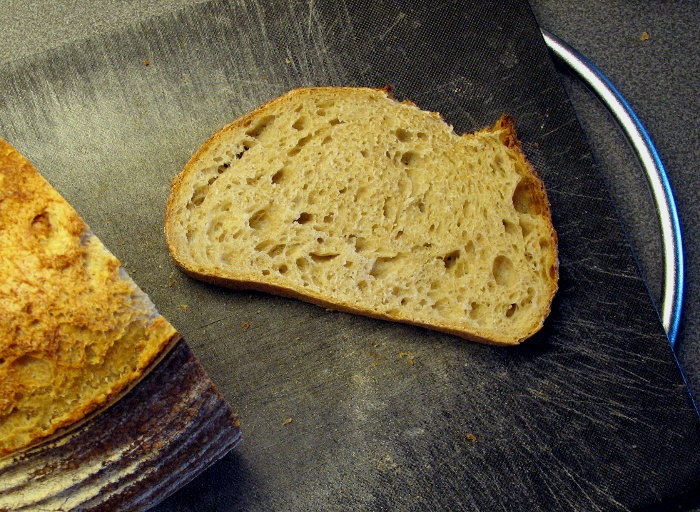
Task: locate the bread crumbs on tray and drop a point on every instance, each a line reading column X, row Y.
column 287, row 421
column 471, row 437
column 245, row 325
column 410, row 358
column 645, row 36
column 184, row 307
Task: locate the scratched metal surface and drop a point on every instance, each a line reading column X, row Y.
column 340, row 412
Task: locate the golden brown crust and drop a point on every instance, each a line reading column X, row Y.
column 75, row 331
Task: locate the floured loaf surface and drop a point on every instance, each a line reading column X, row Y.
column 75, row 330
column 347, row 198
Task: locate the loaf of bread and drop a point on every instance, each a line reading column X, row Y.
column 75, row 330
column 350, row 199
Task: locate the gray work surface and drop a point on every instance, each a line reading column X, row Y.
column 658, row 76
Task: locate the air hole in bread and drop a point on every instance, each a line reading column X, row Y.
column 503, row 271
column 403, row 135
column 283, row 269
column 327, row 139
column 475, row 310
column 276, row 250
column 511, row 228
column 304, row 217
column 322, row 258
column 279, row 176
column 526, row 227
column 450, row 259
column 222, row 168
column 41, row 224
column 364, row 153
column 300, row 144
column 362, row 244
column 382, row 266
column 301, row 263
column 258, row 219
column 258, row 128
column 440, row 305
column 328, row 218
column 335, row 121
column 211, row 180
column 200, row 193
column 389, row 208
column 523, row 200
column 301, row 123
column 511, row 310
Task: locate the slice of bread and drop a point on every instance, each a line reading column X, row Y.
column 349, row 199
column 75, row 330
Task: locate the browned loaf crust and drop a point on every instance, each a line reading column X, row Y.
column 349, row 199
column 75, row 330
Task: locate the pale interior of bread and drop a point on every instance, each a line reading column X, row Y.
column 354, row 200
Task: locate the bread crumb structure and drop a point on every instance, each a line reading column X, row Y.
column 75, row 330
column 352, row 200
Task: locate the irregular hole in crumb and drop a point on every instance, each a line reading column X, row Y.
column 279, row 176
column 200, row 193
column 475, row 310
column 511, row 310
column 403, row 135
column 304, row 217
column 258, row 219
column 409, row 157
column 256, row 130
column 276, row 250
column 503, row 270
column 41, row 224
column 511, row 228
column 451, row 258
column 526, row 227
column 300, row 144
column 322, row 258
column 523, row 198
column 382, row 266
column 300, row 123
